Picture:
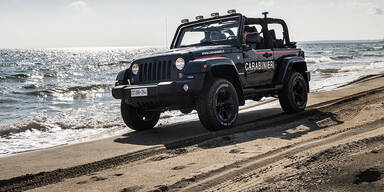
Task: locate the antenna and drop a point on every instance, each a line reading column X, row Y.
column 166, row 32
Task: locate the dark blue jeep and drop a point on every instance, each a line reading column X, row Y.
column 213, row 66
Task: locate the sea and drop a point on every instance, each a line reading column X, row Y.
column 60, row 96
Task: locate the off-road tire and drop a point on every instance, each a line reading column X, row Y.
column 218, row 105
column 293, row 98
column 137, row 119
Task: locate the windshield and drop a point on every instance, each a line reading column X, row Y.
column 210, row 33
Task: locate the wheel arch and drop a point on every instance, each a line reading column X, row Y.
column 230, row 73
column 122, row 77
column 219, row 67
column 289, row 64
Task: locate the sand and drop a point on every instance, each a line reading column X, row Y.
column 335, row 145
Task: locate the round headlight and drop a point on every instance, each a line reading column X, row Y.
column 179, row 63
column 135, row 69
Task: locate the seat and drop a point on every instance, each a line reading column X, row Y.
column 277, row 43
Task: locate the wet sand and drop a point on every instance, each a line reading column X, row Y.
column 336, row 144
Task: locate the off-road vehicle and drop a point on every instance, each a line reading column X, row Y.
column 213, row 66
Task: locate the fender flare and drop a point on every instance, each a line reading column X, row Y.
column 208, row 65
column 122, row 77
column 285, row 66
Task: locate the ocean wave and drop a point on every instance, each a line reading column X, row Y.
column 8, row 101
column 49, row 75
column 30, row 86
column 22, row 127
column 107, row 64
column 366, row 49
column 115, row 63
column 329, row 70
column 35, row 93
column 53, row 91
column 85, row 88
column 23, row 76
column 342, row 57
column 45, row 125
column 376, row 65
column 318, row 59
column 372, row 55
column 17, row 76
column 322, row 52
column 351, row 68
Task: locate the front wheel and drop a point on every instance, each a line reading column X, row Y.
column 138, row 119
column 293, row 97
column 218, row 105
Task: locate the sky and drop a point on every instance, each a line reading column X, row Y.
column 119, row 23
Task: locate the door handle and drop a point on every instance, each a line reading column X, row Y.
column 267, row 55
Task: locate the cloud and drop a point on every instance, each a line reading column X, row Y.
column 78, row 5
column 377, row 11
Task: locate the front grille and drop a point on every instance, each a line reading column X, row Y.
column 155, row 71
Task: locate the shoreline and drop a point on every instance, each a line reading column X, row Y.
column 108, row 134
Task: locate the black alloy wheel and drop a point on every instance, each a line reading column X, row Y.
column 225, row 104
column 294, row 96
column 218, row 105
column 299, row 92
column 138, row 119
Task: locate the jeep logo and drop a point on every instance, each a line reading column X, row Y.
column 259, row 65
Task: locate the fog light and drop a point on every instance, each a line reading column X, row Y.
column 185, row 87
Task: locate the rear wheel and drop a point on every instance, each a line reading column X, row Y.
column 138, row 119
column 218, row 105
column 293, row 97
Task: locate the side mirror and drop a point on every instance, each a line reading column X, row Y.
column 253, row 38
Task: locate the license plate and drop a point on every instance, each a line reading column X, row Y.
column 139, row 92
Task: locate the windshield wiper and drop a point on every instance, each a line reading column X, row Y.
column 208, row 43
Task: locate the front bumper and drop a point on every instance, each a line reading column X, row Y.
column 161, row 94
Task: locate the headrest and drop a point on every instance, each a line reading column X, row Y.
column 253, row 37
column 215, row 35
column 272, row 34
column 250, row 29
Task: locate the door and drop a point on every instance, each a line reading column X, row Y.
column 259, row 67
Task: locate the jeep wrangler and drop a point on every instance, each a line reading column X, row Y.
column 213, row 66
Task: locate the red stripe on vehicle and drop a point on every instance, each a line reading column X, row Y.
column 263, row 52
column 285, row 51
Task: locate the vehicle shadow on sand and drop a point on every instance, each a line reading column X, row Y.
column 266, row 123
column 286, row 130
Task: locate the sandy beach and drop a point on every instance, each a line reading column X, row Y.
column 335, row 145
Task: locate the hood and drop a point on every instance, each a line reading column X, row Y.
column 192, row 52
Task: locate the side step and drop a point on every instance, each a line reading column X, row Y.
column 260, row 90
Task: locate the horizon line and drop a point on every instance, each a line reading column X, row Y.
column 159, row 46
